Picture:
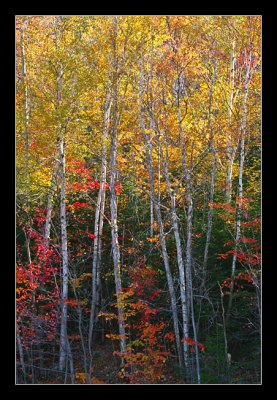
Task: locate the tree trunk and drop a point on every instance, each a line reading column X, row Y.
column 25, row 96
column 21, row 354
column 113, row 203
column 212, row 185
column 230, row 148
column 98, row 225
column 64, row 294
column 50, row 199
column 240, row 183
column 157, row 209
column 189, row 203
column 180, row 261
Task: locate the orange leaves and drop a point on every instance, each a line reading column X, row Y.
column 147, row 366
column 170, row 336
column 143, row 307
column 154, row 239
column 96, row 381
column 80, row 378
column 223, row 206
column 107, row 316
column 255, row 223
column 130, row 250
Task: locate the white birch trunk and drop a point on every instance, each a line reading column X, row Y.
column 113, row 203
column 98, row 226
column 25, row 96
column 180, row 261
column 240, row 182
column 64, row 252
column 157, row 209
column 230, row 148
column 64, row 344
column 212, row 185
column 21, row 354
column 189, row 206
column 47, row 226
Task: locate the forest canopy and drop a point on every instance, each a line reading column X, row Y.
column 138, row 215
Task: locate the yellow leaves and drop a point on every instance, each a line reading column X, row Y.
column 107, row 316
column 78, row 281
column 80, row 377
column 114, row 336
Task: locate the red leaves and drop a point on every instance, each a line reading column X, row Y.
column 248, row 277
column 37, row 292
column 244, row 239
column 242, row 257
column 223, row 206
column 118, row 188
column 91, row 235
column 191, row 342
column 77, row 205
column 255, row 222
column 170, row 336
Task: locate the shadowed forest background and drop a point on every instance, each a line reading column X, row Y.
column 138, row 167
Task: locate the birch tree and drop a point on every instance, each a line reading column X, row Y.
column 113, row 202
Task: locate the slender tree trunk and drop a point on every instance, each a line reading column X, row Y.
column 188, row 259
column 99, row 264
column 21, row 354
column 209, row 227
column 189, row 203
column 157, row 209
column 195, row 335
column 98, row 225
column 231, row 148
column 25, row 96
column 212, row 185
column 240, row 183
column 50, row 200
column 64, row 252
column 113, row 202
column 64, row 344
column 224, row 323
column 115, row 244
column 181, row 266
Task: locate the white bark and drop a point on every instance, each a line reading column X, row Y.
column 189, row 203
column 98, row 225
column 188, row 259
column 230, row 147
column 64, row 344
column 211, row 196
column 64, row 252
column 157, row 209
column 240, row 181
column 47, row 226
column 180, row 261
column 21, row 354
column 25, row 95
column 113, row 203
